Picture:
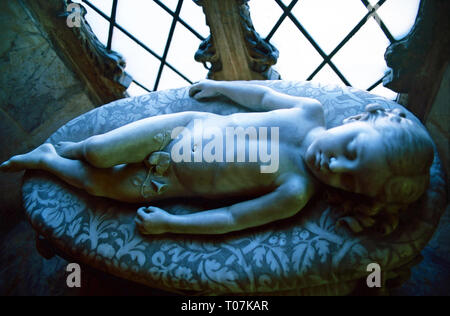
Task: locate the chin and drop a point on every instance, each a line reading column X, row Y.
column 310, row 160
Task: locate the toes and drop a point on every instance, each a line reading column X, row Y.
column 11, row 166
column 5, row 166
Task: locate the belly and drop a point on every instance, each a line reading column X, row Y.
column 219, row 157
column 212, row 166
column 223, row 179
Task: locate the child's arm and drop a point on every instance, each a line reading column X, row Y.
column 283, row 202
column 252, row 96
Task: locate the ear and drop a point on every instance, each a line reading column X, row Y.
column 405, row 189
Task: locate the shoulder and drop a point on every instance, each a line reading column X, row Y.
column 296, row 186
column 313, row 109
column 310, row 109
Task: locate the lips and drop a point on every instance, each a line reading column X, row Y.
column 320, row 162
column 324, row 165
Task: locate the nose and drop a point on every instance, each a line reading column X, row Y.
column 340, row 164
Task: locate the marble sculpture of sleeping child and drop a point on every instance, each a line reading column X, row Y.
column 379, row 154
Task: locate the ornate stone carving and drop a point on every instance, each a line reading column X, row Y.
column 109, row 62
column 418, row 60
column 234, row 51
column 103, row 70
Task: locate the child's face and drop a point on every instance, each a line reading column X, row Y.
column 349, row 157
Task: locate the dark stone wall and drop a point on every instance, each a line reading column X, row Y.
column 38, row 94
column 438, row 121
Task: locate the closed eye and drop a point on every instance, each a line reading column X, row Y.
column 350, row 154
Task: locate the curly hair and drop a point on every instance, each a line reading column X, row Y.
column 409, row 153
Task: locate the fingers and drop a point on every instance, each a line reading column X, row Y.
column 150, row 220
column 195, row 89
column 142, row 213
column 200, row 95
column 140, row 219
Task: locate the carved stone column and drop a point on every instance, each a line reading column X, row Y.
column 234, row 50
column 418, row 60
column 101, row 69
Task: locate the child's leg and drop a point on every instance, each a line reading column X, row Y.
column 121, row 183
column 131, row 143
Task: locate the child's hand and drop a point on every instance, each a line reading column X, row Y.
column 204, row 89
column 152, row 220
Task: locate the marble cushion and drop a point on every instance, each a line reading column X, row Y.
column 305, row 254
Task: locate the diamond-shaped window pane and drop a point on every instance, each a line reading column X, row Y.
column 329, row 21
column 170, row 80
column 327, row 76
column 193, row 15
column 384, row 92
column 399, row 16
column 373, row 2
column 134, row 90
column 142, row 66
column 264, row 14
column 147, row 21
column 286, row 2
column 361, row 60
column 181, row 54
column 298, row 58
column 103, row 5
column 171, row 4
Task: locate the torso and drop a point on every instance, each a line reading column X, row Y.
column 222, row 178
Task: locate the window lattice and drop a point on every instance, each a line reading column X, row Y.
column 325, row 40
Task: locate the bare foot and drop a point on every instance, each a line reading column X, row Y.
column 67, row 150
column 32, row 160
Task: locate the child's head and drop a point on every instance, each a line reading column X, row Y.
column 378, row 153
